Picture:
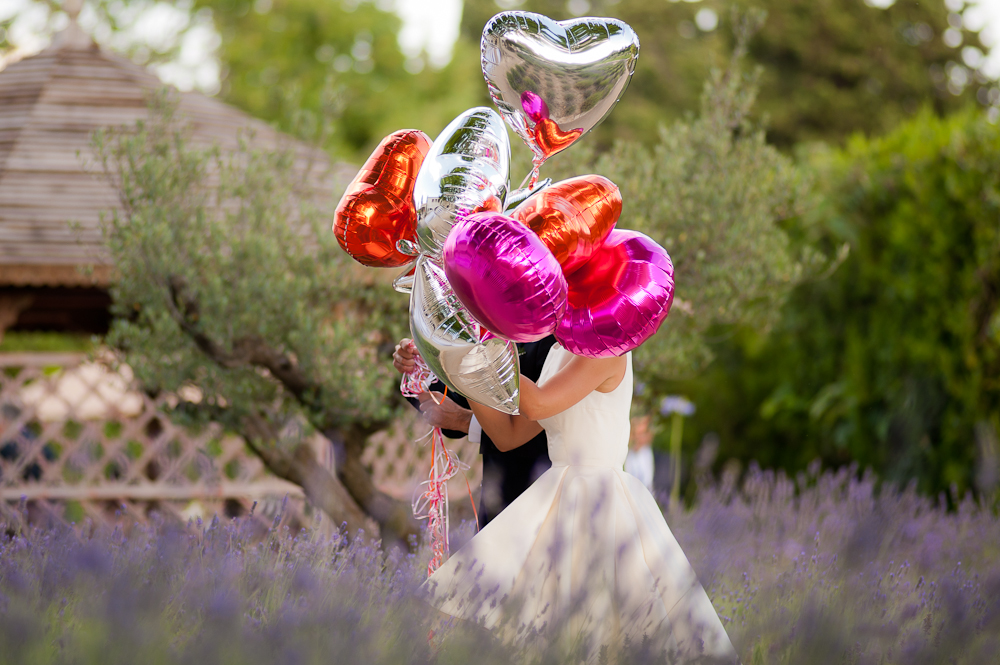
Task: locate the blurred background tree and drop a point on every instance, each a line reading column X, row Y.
column 836, row 67
column 284, row 56
column 892, row 361
column 831, row 67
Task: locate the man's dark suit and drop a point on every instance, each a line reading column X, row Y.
column 507, row 474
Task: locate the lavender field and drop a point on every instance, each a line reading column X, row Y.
column 825, row 568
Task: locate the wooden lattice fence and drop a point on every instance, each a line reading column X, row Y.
column 79, row 441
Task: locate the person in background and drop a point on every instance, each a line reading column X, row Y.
column 639, row 461
column 505, row 474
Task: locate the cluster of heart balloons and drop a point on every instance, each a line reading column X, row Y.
column 487, row 267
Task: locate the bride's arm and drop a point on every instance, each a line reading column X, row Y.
column 574, row 381
column 506, row 431
column 577, row 379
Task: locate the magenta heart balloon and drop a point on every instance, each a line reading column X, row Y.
column 503, row 274
column 619, row 298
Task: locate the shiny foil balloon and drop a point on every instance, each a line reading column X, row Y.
column 619, row 298
column 448, row 340
column 553, row 81
column 573, row 217
column 519, row 196
column 466, row 171
column 507, row 279
column 377, row 209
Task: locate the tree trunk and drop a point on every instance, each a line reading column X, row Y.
column 344, row 503
column 301, row 467
column 394, row 517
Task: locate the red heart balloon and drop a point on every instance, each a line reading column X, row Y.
column 572, row 217
column 377, row 209
column 550, row 139
column 618, row 298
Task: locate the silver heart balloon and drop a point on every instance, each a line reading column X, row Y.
column 553, row 81
column 465, row 171
column 447, row 338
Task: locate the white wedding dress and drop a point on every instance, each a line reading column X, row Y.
column 584, row 555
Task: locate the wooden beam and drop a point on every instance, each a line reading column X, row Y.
column 34, row 359
column 151, row 492
column 54, row 275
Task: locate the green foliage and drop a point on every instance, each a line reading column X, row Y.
column 835, row 67
column 5, row 44
column 50, row 342
column 831, row 67
column 893, row 360
column 286, row 55
column 218, row 255
column 716, row 196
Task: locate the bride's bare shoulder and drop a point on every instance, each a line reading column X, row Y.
column 616, row 368
column 574, row 381
column 604, row 373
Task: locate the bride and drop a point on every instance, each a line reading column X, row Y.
column 583, row 558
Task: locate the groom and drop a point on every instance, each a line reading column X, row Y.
column 505, row 474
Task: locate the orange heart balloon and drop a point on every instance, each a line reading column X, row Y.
column 377, row 209
column 572, row 217
column 550, row 139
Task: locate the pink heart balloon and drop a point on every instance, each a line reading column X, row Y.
column 618, row 298
column 503, row 274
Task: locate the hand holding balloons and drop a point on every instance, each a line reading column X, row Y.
column 448, row 339
column 556, row 263
column 404, row 202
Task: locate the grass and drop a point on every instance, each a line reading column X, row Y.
column 824, row 568
column 46, row 342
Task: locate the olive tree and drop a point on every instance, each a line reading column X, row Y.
column 229, row 278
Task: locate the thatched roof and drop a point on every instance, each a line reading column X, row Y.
column 51, row 196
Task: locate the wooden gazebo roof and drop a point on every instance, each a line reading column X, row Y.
column 50, row 197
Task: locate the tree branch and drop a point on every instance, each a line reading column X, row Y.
column 394, row 517
column 251, row 350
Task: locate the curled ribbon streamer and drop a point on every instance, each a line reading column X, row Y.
column 430, row 501
column 419, row 380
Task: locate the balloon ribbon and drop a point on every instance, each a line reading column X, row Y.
column 430, row 500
